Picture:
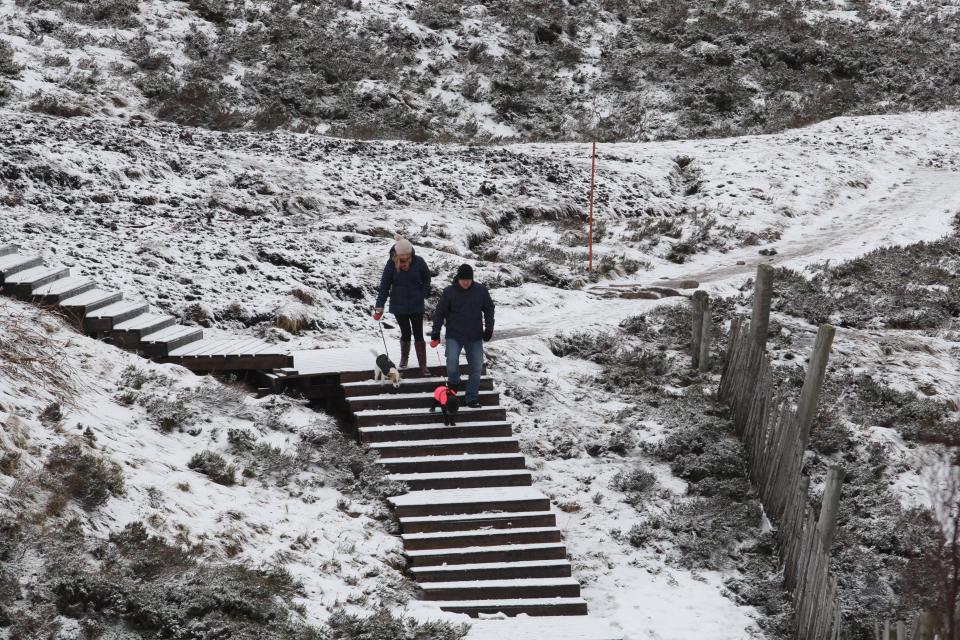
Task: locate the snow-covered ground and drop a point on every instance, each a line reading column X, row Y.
column 237, row 230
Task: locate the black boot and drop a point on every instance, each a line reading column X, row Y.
column 404, row 353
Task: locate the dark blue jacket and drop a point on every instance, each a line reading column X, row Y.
column 407, row 289
column 466, row 312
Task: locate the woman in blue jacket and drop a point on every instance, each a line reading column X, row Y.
column 406, row 281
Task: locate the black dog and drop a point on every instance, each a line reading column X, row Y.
column 446, row 398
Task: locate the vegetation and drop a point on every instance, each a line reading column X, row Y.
column 666, row 69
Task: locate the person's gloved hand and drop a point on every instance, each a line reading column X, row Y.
column 487, row 335
column 378, row 313
column 434, row 343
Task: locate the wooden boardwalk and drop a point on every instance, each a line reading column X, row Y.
column 130, row 324
column 478, row 537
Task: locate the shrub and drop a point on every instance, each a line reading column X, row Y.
column 358, row 469
column 8, row 67
column 214, row 467
column 55, row 106
column 9, row 462
column 384, row 624
column 642, row 532
column 635, row 483
column 85, row 477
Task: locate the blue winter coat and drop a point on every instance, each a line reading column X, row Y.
column 466, row 312
column 407, row 289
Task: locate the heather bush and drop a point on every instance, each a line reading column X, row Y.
column 8, row 67
column 383, row 624
column 214, row 466
column 84, row 476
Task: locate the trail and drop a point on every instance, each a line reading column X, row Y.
column 920, row 206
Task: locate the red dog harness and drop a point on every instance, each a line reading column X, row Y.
column 440, row 394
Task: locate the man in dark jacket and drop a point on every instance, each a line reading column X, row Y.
column 467, row 308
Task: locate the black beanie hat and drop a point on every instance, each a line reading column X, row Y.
column 465, row 272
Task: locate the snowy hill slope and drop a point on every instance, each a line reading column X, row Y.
column 278, row 507
column 284, row 235
column 151, row 207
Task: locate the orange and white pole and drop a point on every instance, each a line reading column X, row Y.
column 593, row 172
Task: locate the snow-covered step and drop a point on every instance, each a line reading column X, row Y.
column 409, row 385
column 479, row 538
column 465, row 479
column 366, row 374
column 514, row 607
column 494, row 571
column 22, row 283
column 63, row 288
column 12, row 263
column 411, row 400
column 104, row 318
column 502, row 589
column 160, row 343
column 8, row 249
column 378, row 417
column 129, row 332
column 445, row 447
column 451, row 501
column 96, row 298
column 484, row 554
column 461, row 462
column 473, row 521
column 482, row 429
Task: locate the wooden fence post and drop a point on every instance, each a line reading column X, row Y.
column 901, row 630
column 762, row 295
column 700, row 302
column 827, row 522
column 707, row 325
column 813, row 383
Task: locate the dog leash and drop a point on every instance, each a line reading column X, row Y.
column 384, row 338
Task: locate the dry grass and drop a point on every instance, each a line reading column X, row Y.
column 31, row 357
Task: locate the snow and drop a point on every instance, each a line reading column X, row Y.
column 467, row 496
column 543, row 627
column 475, row 532
column 515, row 582
column 459, row 551
column 426, row 443
column 489, row 473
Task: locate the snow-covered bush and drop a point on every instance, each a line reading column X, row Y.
column 214, row 466
column 8, row 67
column 636, row 483
column 84, row 476
column 358, row 469
column 384, row 625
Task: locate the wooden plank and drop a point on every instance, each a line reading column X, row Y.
column 240, row 347
column 699, row 304
column 762, row 296
column 199, row 348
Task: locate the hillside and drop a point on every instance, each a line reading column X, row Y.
column 282, row 235
column 456, row 71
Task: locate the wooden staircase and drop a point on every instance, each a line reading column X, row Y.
column 129, row 324
column 479, row 538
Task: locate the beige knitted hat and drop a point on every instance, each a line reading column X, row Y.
column 403, row 246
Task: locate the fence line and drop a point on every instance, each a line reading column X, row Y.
column 775, row 435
